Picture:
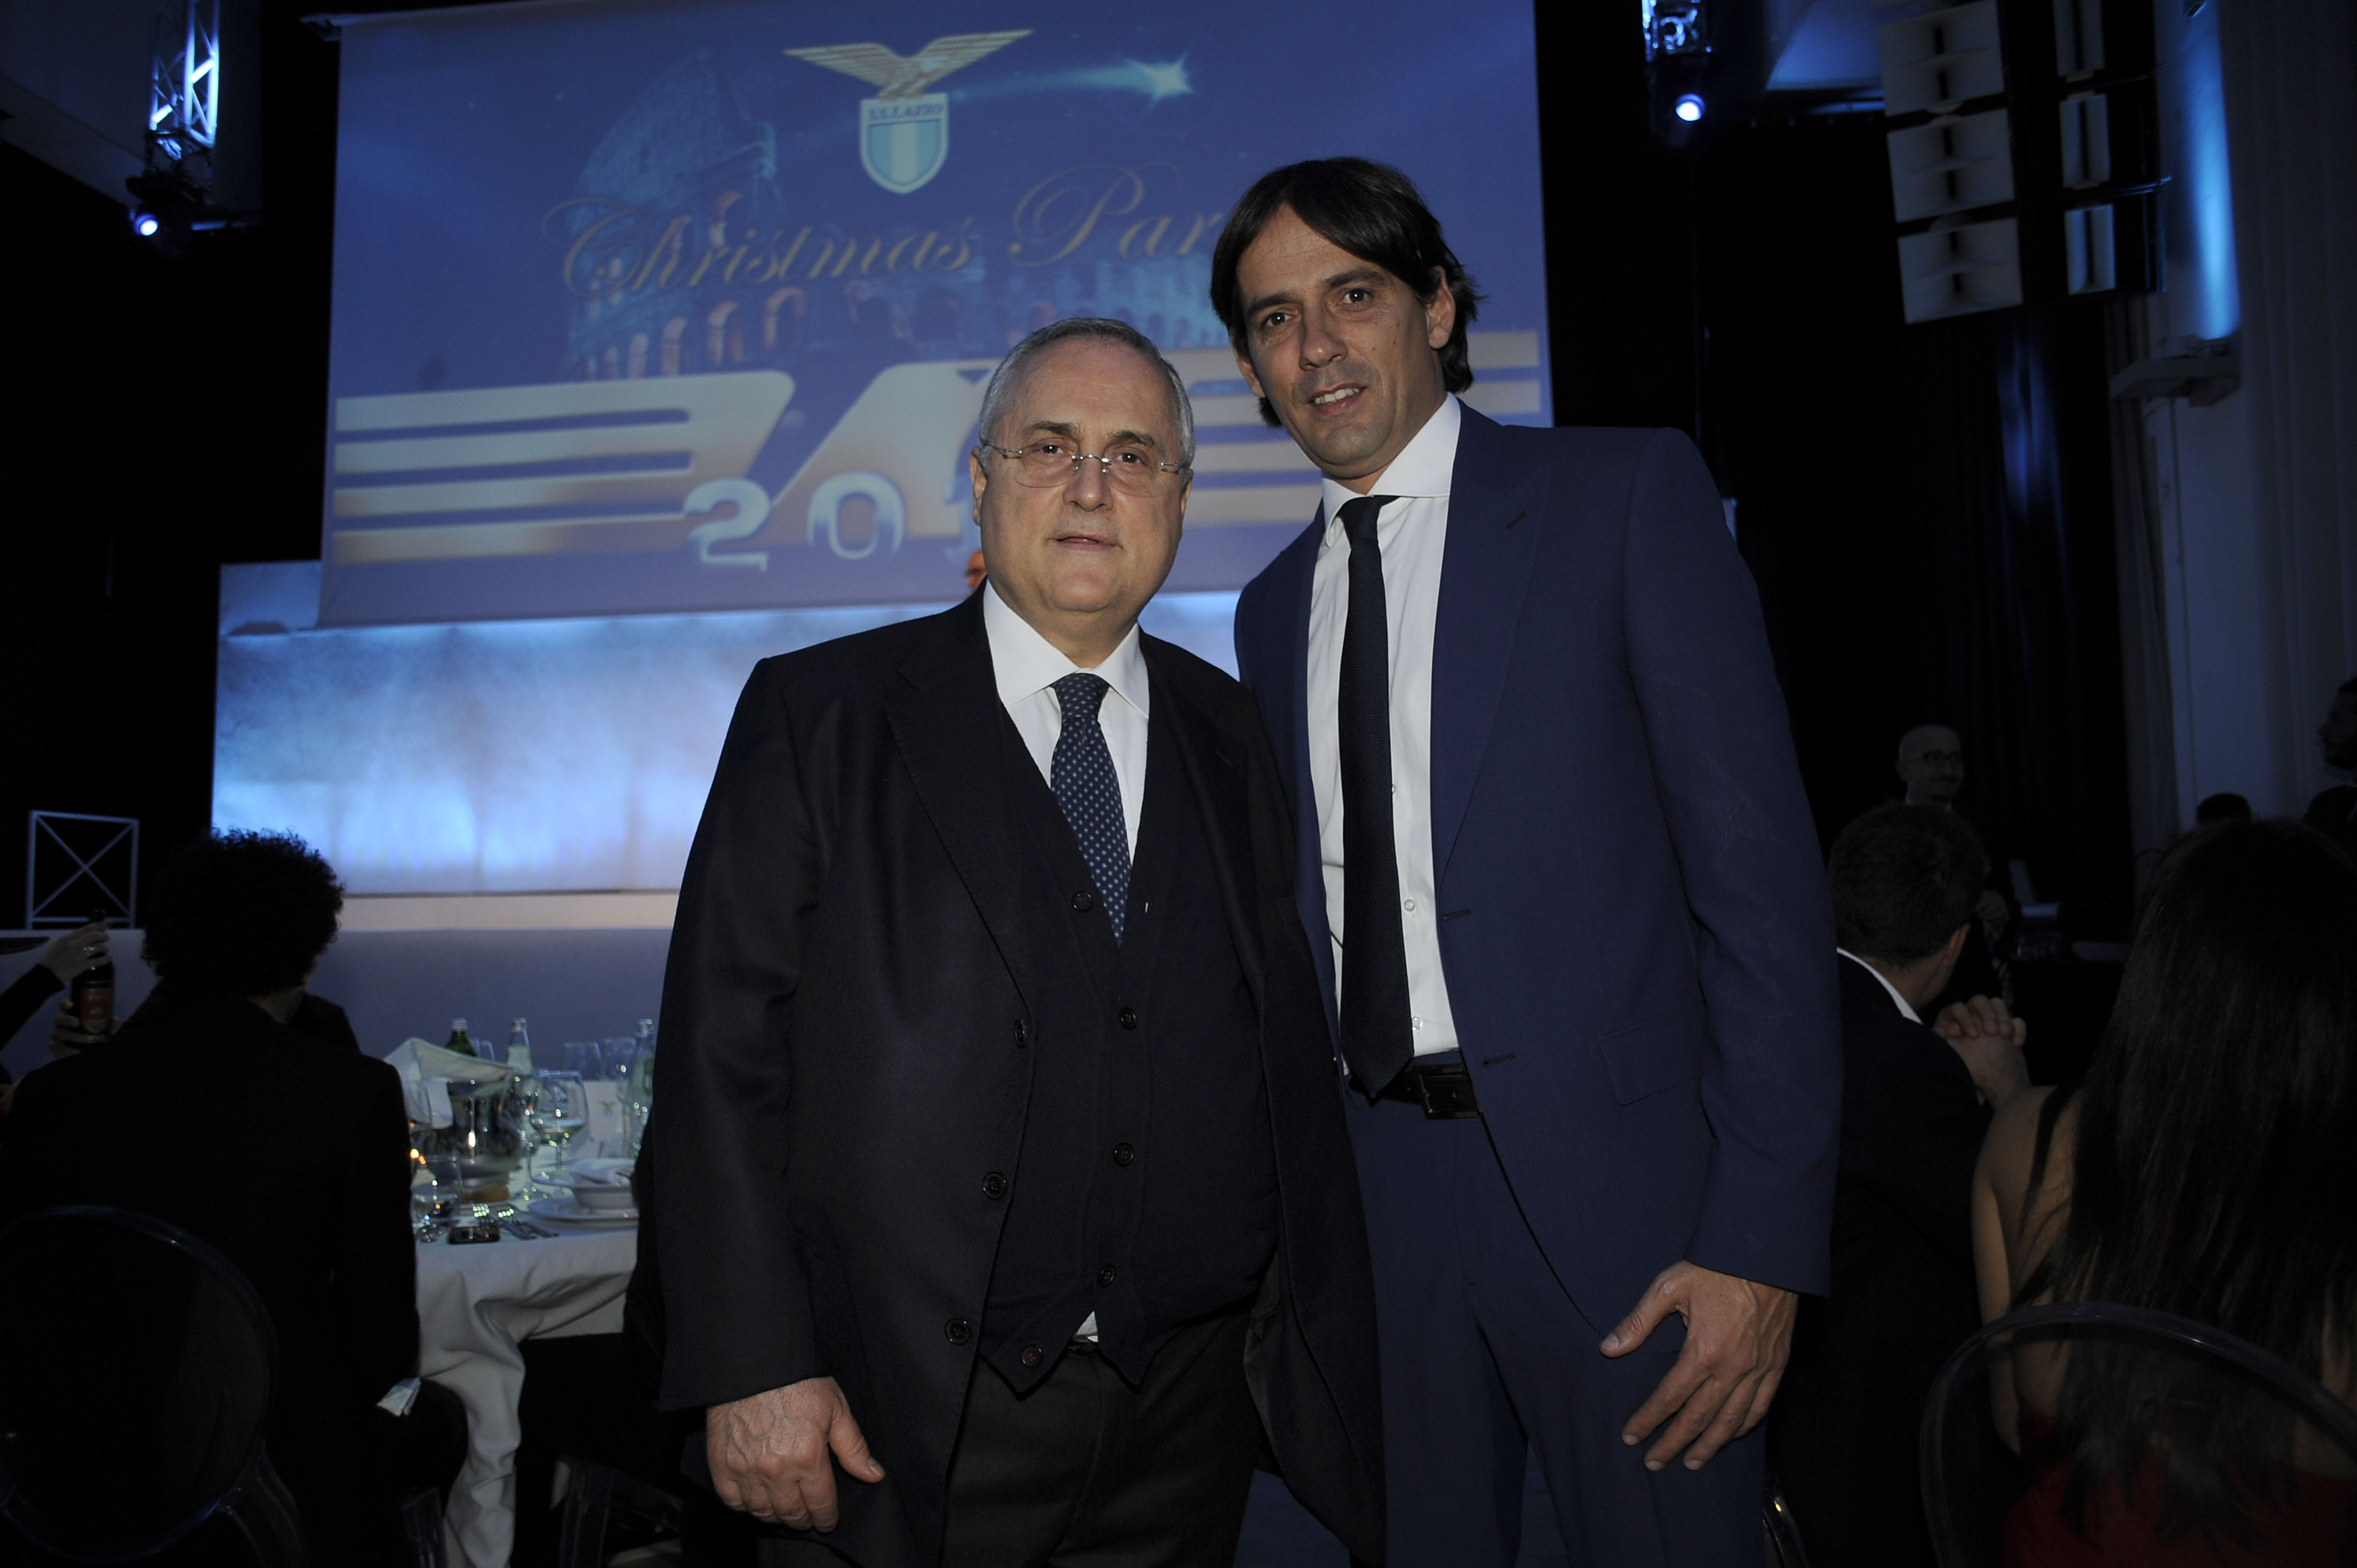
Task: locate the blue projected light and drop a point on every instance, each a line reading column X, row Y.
column 2205, row 184
column 508, row 756
column 1689, row 107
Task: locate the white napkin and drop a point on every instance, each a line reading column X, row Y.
column 428, row 1070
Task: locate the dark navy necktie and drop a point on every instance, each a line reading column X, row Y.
column 1377, row 1036
column 1090, row 793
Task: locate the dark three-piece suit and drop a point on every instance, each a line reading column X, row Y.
column 922, row 1111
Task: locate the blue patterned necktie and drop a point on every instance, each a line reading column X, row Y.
column 1090, row 794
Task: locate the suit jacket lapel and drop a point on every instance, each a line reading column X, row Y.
column 1292, row 573
column 949, row 722
column 1215, row 769
column 1485, row 568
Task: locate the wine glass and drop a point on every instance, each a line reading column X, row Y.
column 432, row 1197
column 557, row 1110
column 523, row 1094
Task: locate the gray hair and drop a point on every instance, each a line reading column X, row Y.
column 1010, row 372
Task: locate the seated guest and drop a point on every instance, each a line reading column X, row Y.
column 2333, row 813
column 2204, row 1170
column 205, row 1109
column 1841, row 1436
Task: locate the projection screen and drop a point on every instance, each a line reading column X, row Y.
column 648, row 308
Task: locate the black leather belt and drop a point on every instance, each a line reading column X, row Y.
column 1444, row 1090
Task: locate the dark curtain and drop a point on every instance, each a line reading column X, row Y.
column 2009, row 467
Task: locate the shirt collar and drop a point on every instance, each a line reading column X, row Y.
column 1026, row 663
column 1424, row 468
column 1884, row 981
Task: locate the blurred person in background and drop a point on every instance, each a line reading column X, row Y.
column 1915, row 1105
column 1931, row 766
column 2222, row 808
column 2333, row 813
column 2203, row 1169
column 205, row 1085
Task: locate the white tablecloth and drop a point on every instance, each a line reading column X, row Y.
column 475, row 1304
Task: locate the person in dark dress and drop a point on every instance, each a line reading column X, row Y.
column 207, row 1111
column 1915, row 1105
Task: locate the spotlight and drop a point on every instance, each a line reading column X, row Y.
column 145, row 224
column 1689, row 107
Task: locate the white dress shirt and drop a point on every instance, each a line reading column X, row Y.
column 1884, row 980
column 1028, row 666
column 1413, row 532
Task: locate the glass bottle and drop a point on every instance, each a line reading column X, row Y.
column 93, row 992
column 518, row 1048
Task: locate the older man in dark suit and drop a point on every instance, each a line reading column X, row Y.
column 1562, row 887
column 998, row 1129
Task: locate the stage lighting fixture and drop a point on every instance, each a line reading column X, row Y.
column 145, row 224
column 1689, row 107
column 1674, row 28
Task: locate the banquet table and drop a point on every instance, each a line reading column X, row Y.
column 476, row 1304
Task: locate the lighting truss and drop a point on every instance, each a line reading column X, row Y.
column 1674, row 28
column 184, row 90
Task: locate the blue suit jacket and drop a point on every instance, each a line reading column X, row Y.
column 1634, row 917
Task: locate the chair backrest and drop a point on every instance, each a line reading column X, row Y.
column 2086, row 1433
column 136, row 1384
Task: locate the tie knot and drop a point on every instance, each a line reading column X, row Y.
column 1082, row 695
column 1359, row 516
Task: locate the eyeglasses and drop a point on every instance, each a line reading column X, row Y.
column 1044, row 464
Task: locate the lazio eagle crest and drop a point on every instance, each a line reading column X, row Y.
column 904, row 130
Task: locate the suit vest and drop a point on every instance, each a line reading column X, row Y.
column 1146, row 1192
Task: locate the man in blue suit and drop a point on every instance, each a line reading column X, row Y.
column 1561, row 883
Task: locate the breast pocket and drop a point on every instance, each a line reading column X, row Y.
column 1646, row 1059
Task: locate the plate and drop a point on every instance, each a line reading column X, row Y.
column 572, row 1213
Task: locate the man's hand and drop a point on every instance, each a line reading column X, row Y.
column 1989, row 1038
column 769, row 1452
column 67, row 1036
column 1738, row 1336
column 85, row 947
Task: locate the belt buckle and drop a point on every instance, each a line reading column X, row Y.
column 1447, row 1093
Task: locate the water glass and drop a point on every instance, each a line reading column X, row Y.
column 559, row 1107
column 616, row 1053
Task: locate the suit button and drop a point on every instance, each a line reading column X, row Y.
column 1105, row 1275
column 1022, row 1033
column 1123, row 1153
column 1128, row 1018
column 959, row 1330
column 1085, row 901
column 1033, row 1355
column 993, row 1186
